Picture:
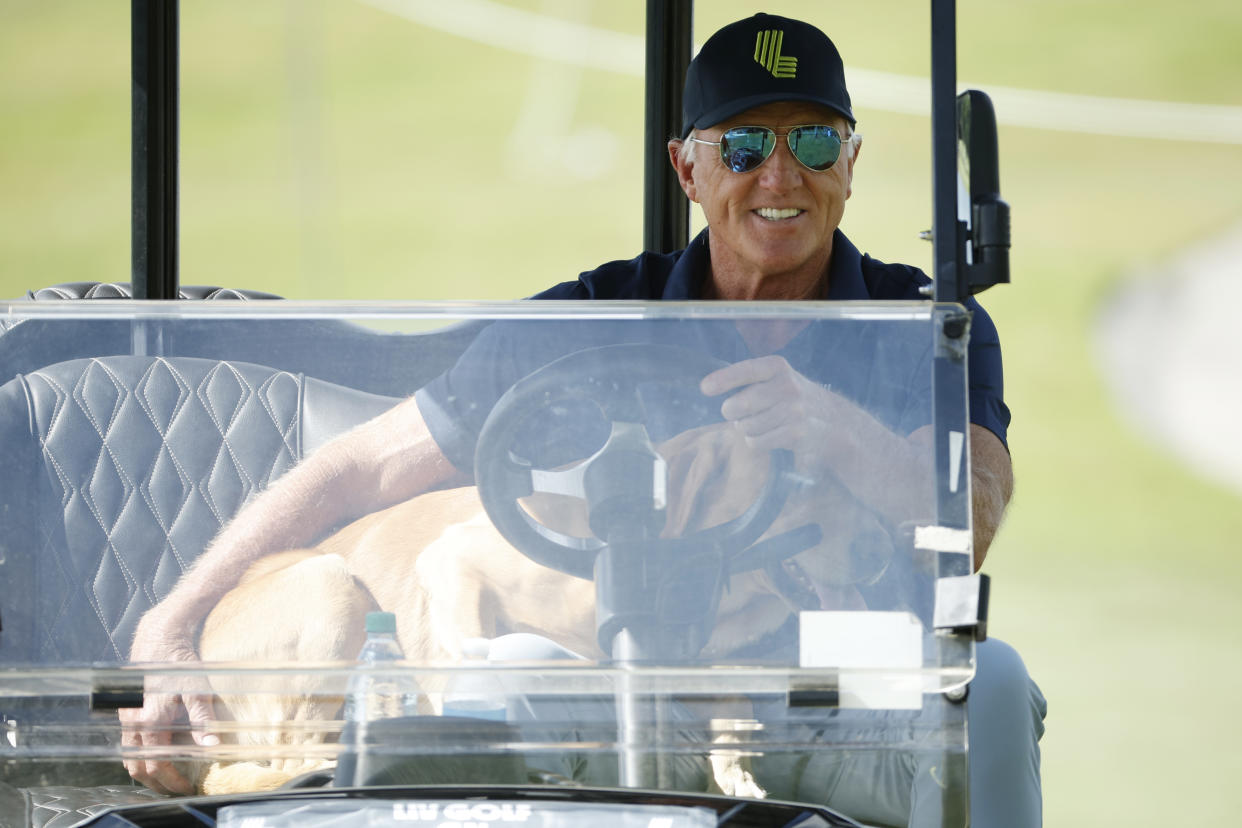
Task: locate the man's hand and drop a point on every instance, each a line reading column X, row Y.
column 776, row 407
column 151, row 725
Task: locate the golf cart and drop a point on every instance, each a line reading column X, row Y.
column 131, row 430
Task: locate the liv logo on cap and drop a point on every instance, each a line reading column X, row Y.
column 768, row 54
column 746, row 65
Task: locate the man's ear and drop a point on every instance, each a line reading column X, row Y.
column 849, row 172
column 684, row 168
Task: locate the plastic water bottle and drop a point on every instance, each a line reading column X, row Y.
column 478, row 693
column 372, row 696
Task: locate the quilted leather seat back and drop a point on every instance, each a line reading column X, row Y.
column 123, row 290
column 117, row 473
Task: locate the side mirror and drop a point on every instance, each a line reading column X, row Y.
column 987, row 242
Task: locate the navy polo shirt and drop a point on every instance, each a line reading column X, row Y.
column 865, row 366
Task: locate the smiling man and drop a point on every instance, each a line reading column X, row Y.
column 771, row 216
column 769, row 94
column 768, row 150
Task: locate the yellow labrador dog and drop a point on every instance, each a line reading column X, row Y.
column 439, row 565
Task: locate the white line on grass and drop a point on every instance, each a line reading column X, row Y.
column 579, row 44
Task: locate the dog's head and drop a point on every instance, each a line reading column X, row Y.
column 715, row 475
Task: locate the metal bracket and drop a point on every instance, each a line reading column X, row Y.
column 952, row 333
column 108, row 697
column 826, row 695
column 962, row 605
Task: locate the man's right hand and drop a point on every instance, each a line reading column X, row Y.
column 168, row 702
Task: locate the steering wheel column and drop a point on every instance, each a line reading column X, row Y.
column 645, row 585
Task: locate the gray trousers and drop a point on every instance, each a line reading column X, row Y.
column 1005, row 714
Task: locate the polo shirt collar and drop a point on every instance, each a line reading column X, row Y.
column 845, row 278
column 685, row 280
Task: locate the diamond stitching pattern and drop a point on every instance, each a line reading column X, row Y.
column 149, row 458
column 57, row 806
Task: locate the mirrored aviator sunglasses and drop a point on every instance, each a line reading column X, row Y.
column 744, row 148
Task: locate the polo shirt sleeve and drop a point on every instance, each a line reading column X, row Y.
column 986, row 375
column 986, row 392
column 455, row 404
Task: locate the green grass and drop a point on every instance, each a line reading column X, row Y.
column 347, row 153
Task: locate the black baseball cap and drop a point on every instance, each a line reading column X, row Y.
column 762, row 59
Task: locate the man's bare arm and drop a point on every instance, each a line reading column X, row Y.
column 384, row 461
column 991, row 482
column 991, row 487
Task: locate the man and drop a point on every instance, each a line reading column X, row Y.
column 768, row 151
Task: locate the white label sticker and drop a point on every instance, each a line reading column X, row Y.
column 957, row 442
column 879, row 655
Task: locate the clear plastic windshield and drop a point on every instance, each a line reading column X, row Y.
column 678, row 546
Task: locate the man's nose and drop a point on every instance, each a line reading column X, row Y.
column 781, row 171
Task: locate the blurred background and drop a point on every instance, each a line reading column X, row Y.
column 474, row 149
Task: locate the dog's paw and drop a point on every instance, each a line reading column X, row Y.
column 734, row 779
column 731, row 768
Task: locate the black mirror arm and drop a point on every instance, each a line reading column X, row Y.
column 988, row 235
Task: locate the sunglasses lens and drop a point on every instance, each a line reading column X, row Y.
column 818, row 147
column 744, row 148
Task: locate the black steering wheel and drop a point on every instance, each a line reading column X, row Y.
column 624, row 482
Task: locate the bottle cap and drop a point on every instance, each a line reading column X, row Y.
column 476, row 648
column 381, row 622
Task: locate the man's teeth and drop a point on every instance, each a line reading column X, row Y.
column 777, row 213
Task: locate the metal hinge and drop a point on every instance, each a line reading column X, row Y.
column 962, row 605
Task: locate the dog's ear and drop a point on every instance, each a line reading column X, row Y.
column 713, row 477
